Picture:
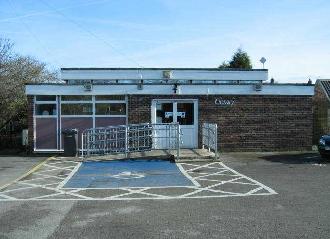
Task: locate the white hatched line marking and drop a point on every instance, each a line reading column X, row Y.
column 6, row 196
column 244, row 183
column 221, row 191
column 49, row 170
column 211, row 186
column 184, row 172
column 16, row 189
column 69, row 176
column 49, row 195
column 255, row 181
column 56, row 190
column 254, row 190
column 211, row 180
column 35, row 179
column 203, row 166
column 194, row 165
column 142, row 190
column 126, row 188
column 151, row 194
column 52, row 176
column 212, row 174
column 128, row 193
column 54, row 163
column 50, row 185
column 64, row 168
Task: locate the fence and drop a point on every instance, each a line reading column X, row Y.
column 130, row 138
column 210, row 137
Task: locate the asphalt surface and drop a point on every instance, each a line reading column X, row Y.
column 12, row 167
column 299, row 210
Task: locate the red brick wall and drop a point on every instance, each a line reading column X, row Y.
column 252, row 123
column 30, row 122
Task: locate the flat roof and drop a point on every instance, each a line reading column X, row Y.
column 159, row 68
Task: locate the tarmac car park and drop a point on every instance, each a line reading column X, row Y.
column 242, row 195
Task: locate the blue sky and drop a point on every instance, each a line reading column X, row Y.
column 293, row 35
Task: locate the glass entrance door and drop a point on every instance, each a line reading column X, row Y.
column 183, row 112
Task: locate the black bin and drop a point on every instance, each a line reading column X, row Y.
column 70, row 142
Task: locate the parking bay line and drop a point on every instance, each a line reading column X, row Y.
column 75, row 169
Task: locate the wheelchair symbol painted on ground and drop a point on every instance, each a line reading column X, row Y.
column 128, row 175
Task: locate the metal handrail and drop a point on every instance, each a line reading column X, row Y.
column 210, row 137
column 130, row 138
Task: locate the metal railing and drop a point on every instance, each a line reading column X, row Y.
column 210, row 138
column 130, row 138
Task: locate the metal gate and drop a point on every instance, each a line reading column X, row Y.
column 130, row 138
column 210, row 137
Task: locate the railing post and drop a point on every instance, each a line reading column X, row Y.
column 126, row 141
column 88, row 145
column 82, row 145
column 216, row 142
column 178, row 141
column 208, row 137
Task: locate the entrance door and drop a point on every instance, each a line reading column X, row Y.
column 182, row 111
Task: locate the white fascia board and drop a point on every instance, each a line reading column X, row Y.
column 158, row 74
column 97, row 90
column 168, row 90
column 246, row 90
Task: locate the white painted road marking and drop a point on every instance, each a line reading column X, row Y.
column 207, row 185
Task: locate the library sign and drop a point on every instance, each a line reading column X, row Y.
column 224, row 102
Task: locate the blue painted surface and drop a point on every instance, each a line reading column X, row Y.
column 116, row 174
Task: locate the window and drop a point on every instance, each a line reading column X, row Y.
column 77, row 109
column 110, row 109
column 164, row 112
column 45, row 109
column 110, row 97
column 185, row 113
column 106, row 105
column 46, row 98
column 76, row 97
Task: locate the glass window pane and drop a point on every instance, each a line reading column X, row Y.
column 45, row 109
column 76, row 97
column 77, row 109
column 110, row 109
column 46, row 97
column 164, row 113
column 109, row 97
column 185, row 113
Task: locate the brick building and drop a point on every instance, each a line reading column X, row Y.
column 252, row 115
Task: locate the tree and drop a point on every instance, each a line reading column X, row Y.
column 240, row 60
column 15, row 72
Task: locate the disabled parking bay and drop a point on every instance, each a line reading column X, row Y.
column 62, row 179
